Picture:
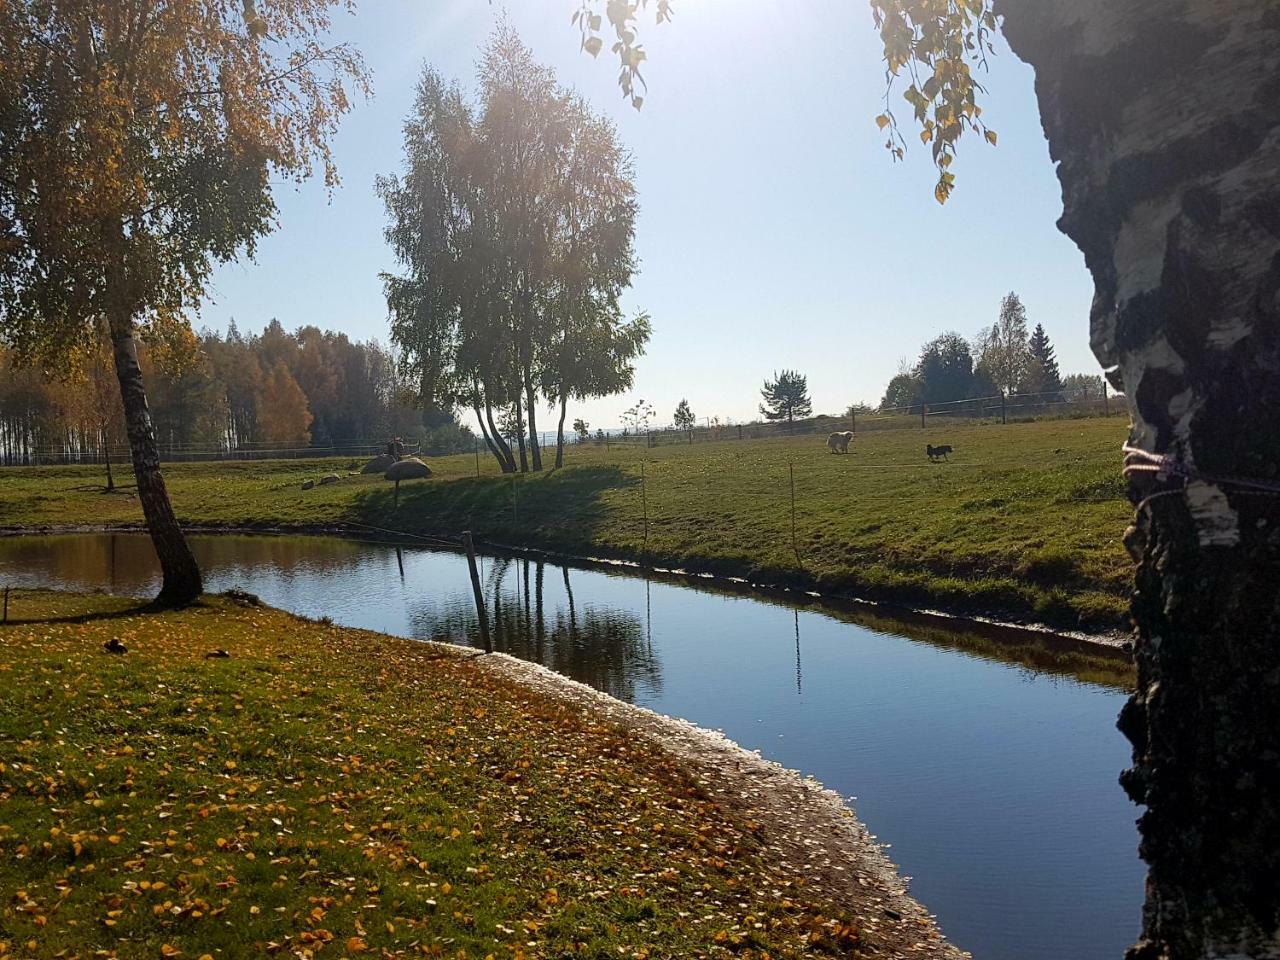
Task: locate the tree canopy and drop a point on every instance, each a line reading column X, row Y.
column 137, row 144
column 786, row 397
column 514, row 222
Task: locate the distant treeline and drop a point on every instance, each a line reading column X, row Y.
column 1003, row 359
column 232, row 392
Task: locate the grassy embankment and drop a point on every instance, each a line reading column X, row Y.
column 1023, row 523
column 323, row 791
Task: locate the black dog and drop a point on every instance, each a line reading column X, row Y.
column 936, row 452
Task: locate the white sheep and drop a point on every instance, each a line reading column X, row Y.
column 839, row 442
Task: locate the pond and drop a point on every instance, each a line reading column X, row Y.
column 988, row 767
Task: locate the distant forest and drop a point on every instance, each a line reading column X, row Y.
column 274, row 390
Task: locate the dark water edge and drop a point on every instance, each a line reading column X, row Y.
column 986, row 757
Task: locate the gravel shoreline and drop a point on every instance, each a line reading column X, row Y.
column 808, row 827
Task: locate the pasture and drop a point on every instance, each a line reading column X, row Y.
column 1024, row 521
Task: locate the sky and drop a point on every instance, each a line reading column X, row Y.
column 774, row 231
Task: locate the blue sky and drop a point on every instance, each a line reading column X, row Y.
column 774, row 230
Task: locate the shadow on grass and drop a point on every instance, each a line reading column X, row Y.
column 564, row 506
column 116, row 608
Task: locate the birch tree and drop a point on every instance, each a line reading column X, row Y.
column 136, row 142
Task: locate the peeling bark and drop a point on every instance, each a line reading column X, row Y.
column 1164, row 118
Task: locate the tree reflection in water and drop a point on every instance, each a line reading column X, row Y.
column 606, row 648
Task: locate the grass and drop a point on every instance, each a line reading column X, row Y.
column 1024, row 523
column 328, row 792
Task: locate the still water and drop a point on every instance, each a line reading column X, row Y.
column 992, row 777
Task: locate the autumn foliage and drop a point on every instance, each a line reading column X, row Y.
column 242, row 781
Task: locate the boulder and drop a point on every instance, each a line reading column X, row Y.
column 308, row 484
column 379, row 464
column 410, row 468
column 331, row 478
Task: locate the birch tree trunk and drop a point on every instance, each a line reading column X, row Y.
column 531, row 408
column 1164, row 118
column 178, row 567
column 503, row 453
column 564, row 408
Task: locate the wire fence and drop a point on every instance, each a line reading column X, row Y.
column 1014, row 408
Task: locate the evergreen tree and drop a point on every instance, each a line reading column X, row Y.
column 1043, row 376
column 946, row 369
column 683, row 417
column 786, row 397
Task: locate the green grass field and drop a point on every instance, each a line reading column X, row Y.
column 318, row 791
column 1024, row 522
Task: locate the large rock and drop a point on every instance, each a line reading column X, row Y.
column 331, row 478
column 410, row 468
column 308, row 484
column 380, row 464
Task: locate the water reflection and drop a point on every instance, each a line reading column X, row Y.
column 536, row 617
column 988, row 759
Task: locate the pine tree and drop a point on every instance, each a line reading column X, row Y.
column 1044, row 376
column 683, row 417
column 786, row 397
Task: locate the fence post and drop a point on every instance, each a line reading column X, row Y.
column 1106, row 405
column 853, row 421
column 1003, row 418
column 481, row 613
column 644, row 506
column 739, row 431
column 795, row 547
column 477, row 458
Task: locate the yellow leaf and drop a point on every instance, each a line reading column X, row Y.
column 991, row 137
column 355, row 945
column 882, row 121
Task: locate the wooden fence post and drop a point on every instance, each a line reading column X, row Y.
column 1003, row 417
column 791, row 470
column 481, row 613
column 644, row 506
column 1106, row 405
